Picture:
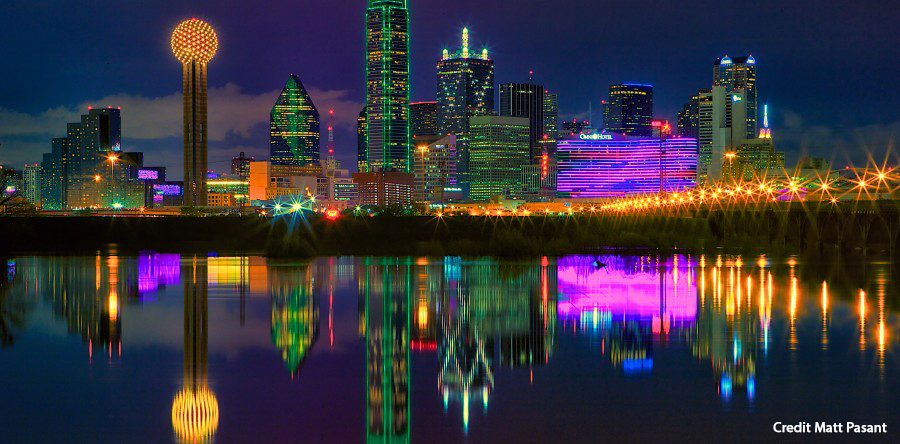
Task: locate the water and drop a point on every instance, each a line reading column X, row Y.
column 167, row 347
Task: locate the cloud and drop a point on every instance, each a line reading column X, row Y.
column 230, row 111
column 238, row 121
column 851, row 144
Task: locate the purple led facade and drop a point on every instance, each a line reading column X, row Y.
column 167, row 189
column 148, row 174
column 609, row 166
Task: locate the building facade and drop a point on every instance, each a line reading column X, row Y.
column 629, row 110
column 387, row 86
column 240, row 165
column 738, row 75
column 362, row 142
column 424, row 119
column 465, row 88
column 608, row 166
column 525, row 100
column 294, row 126
column 434, row 167
column 31, row 181
column 383, row 189
column 689, row 116
column 500, row 147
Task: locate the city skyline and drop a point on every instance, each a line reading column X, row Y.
column 795, row 79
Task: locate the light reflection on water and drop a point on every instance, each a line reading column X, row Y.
column 349, row 349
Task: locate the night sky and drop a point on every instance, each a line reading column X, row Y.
column 828, row 69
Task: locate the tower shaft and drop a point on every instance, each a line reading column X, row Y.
column 195, row 133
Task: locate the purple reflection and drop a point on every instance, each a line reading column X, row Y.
column 155, row 270
column 627, row 289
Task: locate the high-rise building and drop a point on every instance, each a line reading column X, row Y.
column 689, row 116
column 525, row 100
column 424, row 119
column 434, row 167
column 194, row 43
column 613, row 165
column 629, row 110
column 240, row 165
column 387, row 86
column 294, row 126
column 32, row 183
column 87, row 169
column 465, row 88
column 755, row 158
column 739, row 75
column 362, row 142
column 551, row 122
column 500, row 148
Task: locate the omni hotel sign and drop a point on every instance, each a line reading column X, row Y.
column 595, row 136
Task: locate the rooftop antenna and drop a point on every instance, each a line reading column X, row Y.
column 530, row 76
column 465, row 48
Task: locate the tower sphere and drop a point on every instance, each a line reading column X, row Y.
column 194, row 40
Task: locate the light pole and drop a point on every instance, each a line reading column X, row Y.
column 112, row 165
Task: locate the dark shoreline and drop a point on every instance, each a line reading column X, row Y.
column 785, row 232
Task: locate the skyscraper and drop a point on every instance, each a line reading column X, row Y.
column 362, row 142
column 465, row 88
column 574, row 127
column 500, row 148
column 435, row 167
column 525, row 100
column 194, row 44
column 32, row 183
column 689, row 116
column 424, row 119
column 240, row 165
column 629, row 110
column 294, row 126
column 387, row 85
column 739, row 75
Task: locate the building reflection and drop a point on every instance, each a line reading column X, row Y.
column 195, row 409
column 295, row 313
column 386, row 288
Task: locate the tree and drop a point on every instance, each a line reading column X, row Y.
column 12, row 201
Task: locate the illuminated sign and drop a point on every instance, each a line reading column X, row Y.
column 452, row 190
column 167, row 189
column 737, row 98
column 595, row 136
column 148, row 174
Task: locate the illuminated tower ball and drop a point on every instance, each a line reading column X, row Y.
column 194, row 44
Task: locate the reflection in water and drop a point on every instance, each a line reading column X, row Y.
column 195, row 410
column 479, row 321
column 295, row 314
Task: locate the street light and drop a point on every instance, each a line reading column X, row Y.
column 112, row 164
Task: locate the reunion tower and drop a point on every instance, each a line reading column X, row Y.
column 194, row 44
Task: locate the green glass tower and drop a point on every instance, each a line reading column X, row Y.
column 499, row 149
column 387, row 85
column 294, row 126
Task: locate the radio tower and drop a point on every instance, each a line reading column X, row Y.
column 330, row 162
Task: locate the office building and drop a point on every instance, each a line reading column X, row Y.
column 194, row 44
column 465, row 88
column 689, row 116
column 387, row 86
column 31, row 183
column 629, row 110
column 574, row 128
column 87, row 169
column 362, row 147
column 608, row 166
column 269, row 180
column 240, row 165
column 434, row 167
column 755, row 159
column 525, row 100
column 384, row 188
column 500, row 147
column 294, row 126
column 738, row 75
column 424, row 119
column 551, row 123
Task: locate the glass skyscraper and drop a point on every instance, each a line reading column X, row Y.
column 465, row 88
column 738, row 74
column 424, row 119
column 500, row 148
column 294, row 126
column 387, row 85
column 629, row 110
column 362, row 140
column 525, row 100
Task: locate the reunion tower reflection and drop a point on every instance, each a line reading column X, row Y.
column 195, row 410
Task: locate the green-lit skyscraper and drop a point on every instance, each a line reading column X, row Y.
column 294, row 126
column 387, row 85
column 499, row 150
column 465, row 88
